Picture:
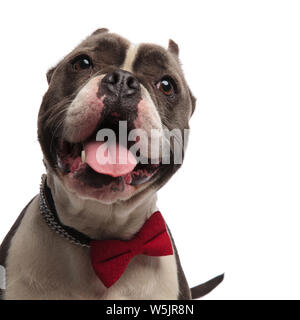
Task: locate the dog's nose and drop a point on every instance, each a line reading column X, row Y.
column 121, row 83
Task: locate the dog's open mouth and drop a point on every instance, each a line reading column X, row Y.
column 101, row 164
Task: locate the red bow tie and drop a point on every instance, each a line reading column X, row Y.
column 111, row 257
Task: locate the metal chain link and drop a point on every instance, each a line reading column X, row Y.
column 50, row 219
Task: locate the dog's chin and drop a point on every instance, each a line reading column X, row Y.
column 88, row 184
column 106, row 194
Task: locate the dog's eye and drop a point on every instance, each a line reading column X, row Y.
column 81, row 63
column 167, row 86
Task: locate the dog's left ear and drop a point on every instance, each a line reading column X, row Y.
column 49, row 74
column 101, row 30
column 173, row 47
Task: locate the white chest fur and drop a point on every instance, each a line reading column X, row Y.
column 42, row 265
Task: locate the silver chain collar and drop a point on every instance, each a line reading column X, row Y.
column 50, row 218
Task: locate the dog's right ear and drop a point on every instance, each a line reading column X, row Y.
column 49, row 74
column 101, row 30
column 173, row 47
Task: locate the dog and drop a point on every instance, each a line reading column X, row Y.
column 94, row 231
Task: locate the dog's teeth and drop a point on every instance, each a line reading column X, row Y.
column 83, row 156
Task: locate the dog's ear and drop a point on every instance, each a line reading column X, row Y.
column 49, row 74
column 173, row 47
column 101, row 30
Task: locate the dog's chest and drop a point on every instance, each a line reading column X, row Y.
column 41, row 265
column 146, row 278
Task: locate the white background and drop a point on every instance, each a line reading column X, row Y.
column 234, row 206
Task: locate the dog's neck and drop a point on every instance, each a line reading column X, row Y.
column 120, row 220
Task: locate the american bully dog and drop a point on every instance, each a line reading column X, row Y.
column 94, row 231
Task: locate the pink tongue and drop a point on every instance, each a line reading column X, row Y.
column 110, row 159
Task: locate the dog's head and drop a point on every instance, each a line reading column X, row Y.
column 130, row 95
